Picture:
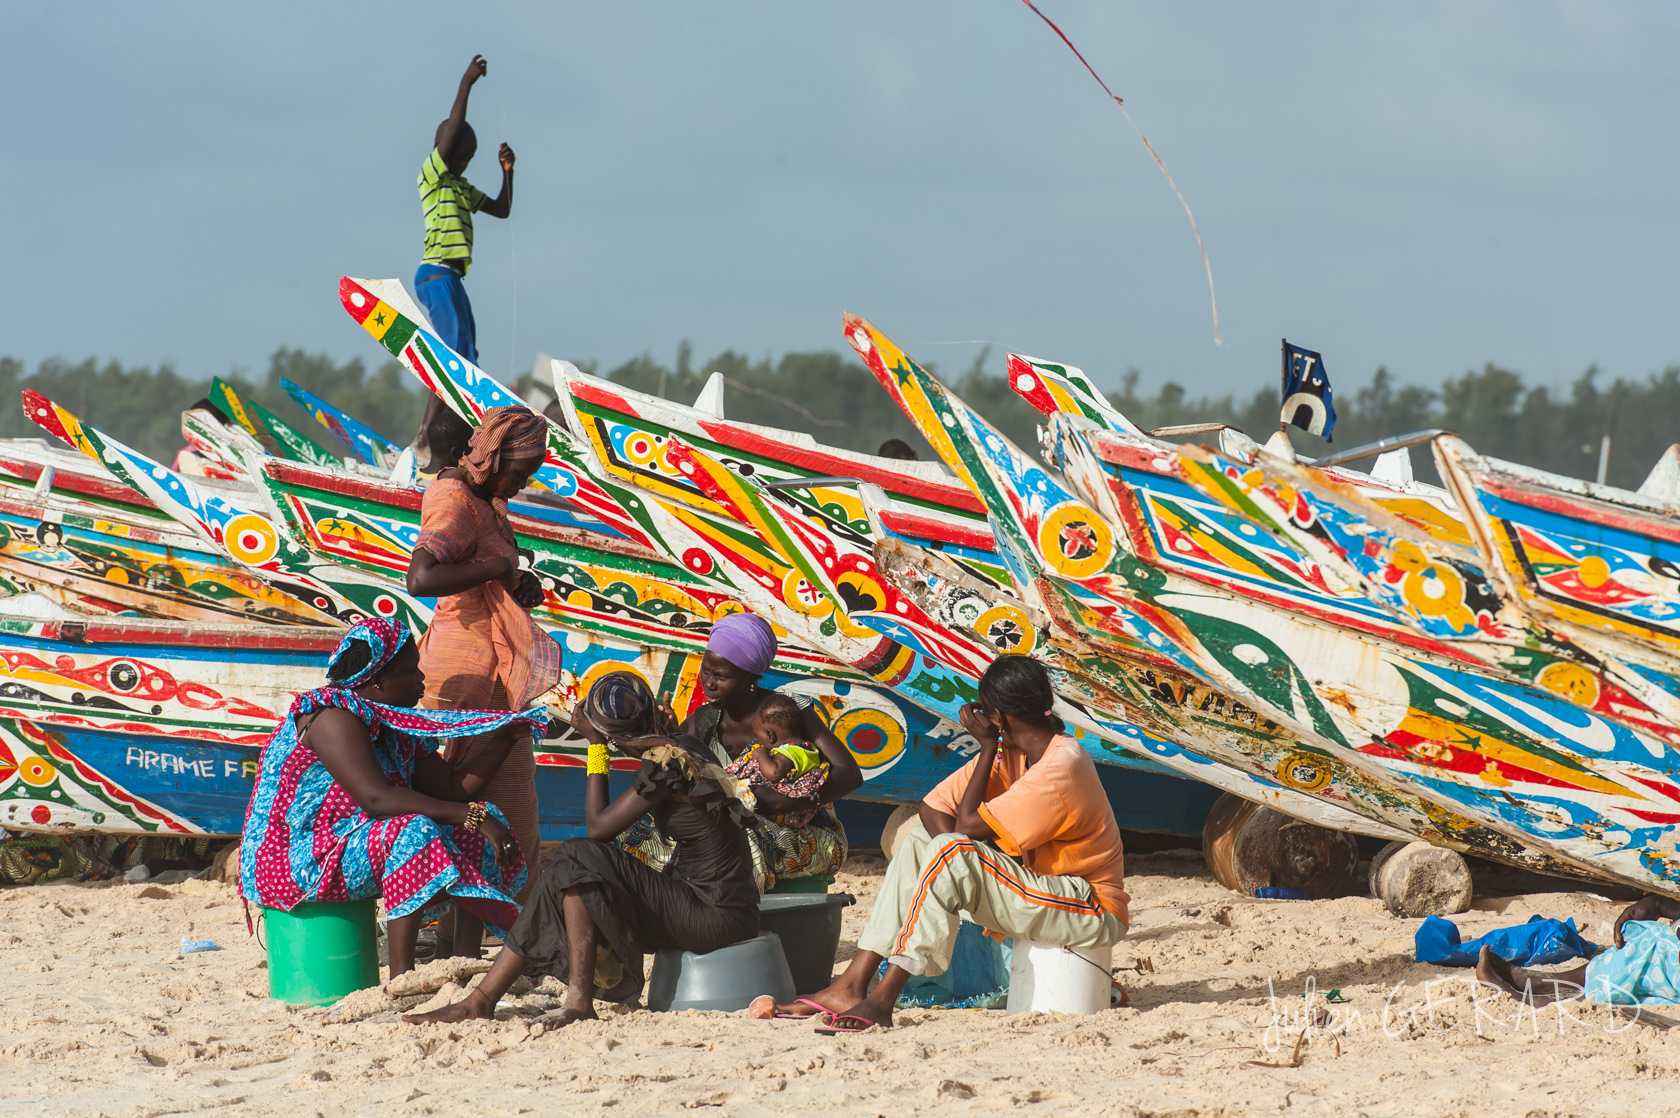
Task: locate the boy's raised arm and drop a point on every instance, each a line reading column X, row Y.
column 476, row 69
column 502, row 204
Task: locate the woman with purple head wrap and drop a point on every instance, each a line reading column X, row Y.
column 745, row 640
column 740, row 650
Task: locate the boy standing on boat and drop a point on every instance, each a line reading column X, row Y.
column 448, row 202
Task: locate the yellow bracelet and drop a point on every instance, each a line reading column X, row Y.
column 598, row 764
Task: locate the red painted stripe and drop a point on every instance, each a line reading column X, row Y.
column 938, row 530
column 595, row 394
column 85, row 484
column 748, row 441
column 1589, row 509
column 320, row 640
column 998, row 872
column 341, row 484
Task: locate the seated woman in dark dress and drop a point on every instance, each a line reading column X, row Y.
column 790, row 838
column 597, row 910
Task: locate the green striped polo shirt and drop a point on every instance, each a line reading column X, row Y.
column 448, row 202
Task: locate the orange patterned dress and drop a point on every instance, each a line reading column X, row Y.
column 483, row 651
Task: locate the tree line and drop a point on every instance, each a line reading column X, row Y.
column 832, row 397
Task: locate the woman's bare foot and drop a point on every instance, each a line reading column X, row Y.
column 832, row 998
column 1493, row 971
column 1534, row 987
column 473, row 1007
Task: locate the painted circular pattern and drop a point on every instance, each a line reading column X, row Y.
column 1571, row 681
column 800, row 595
column 385, row 606
column 1007, row 629
column 1593, row 572
column 874, row 737
column 642, row 449
column 251, row 539
column 40, row 813
column 1304, row 771
column 1075, row 542
column 124, row 675
column 36, row 772
column 697, row 560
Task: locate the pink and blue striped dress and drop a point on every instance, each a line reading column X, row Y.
column 306, row 838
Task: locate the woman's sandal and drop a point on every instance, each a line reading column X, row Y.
column 821, row 1011
column 837, row 1024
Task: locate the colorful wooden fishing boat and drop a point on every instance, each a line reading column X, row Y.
column 1436, row 588
column 1404, row 546
column 94, row 547
column 1508, row 755
column 369, row 445
column 1600, row 563
column 606, row 614
column 133, row 725
column 277, row 436
column 1052, row 535
column 1332, row 689
column 629, row 432
column 704, row 544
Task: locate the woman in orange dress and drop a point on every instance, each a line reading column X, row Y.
column 483, row 651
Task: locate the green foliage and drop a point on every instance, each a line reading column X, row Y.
column 142, row 407
column 833, row 397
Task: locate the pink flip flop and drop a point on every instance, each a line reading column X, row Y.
column 821, row 1011
column 841, row 1023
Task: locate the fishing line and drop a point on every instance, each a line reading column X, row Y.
column 1151, row 149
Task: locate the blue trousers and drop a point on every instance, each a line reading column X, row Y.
column 444, row 296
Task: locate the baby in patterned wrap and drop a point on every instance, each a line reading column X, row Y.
column 778, row 758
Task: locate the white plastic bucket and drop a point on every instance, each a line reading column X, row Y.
column 1050, row 978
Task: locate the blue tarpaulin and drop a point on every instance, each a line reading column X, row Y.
column 1536, row 943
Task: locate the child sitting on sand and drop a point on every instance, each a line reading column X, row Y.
column 779, row 759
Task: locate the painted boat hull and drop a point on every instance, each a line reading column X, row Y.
column 135, row 728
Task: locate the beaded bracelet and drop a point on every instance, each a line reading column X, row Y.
column 477, row 813
column 598, row 764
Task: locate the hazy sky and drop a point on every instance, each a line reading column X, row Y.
column 1426, row 186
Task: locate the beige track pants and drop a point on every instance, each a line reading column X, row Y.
column 932, row 881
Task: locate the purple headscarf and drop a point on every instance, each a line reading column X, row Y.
column 745, row 640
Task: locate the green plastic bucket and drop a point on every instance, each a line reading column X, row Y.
column 321, row 951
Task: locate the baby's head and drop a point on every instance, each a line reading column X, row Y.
column 777, row 720
column 460, row 153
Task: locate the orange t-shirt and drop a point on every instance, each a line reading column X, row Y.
column 1054, row 817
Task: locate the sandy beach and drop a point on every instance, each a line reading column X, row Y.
column 102, row 1015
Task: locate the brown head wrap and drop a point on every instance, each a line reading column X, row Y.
column 508, row 434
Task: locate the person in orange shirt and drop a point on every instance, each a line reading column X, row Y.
column 1021, row 838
